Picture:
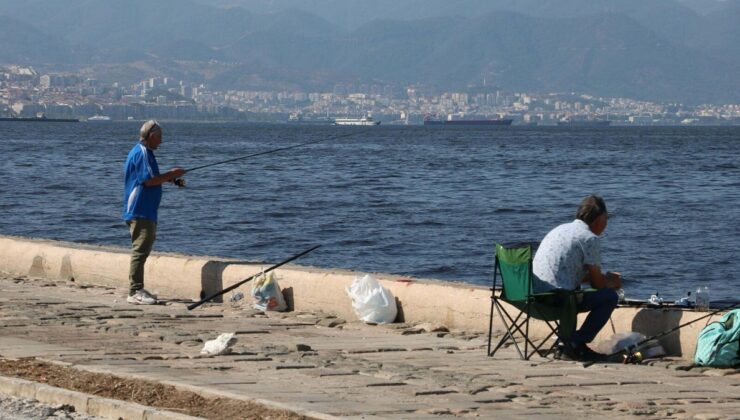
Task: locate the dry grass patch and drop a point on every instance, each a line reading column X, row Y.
column 148, row 393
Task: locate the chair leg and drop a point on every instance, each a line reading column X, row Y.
column 506, row 336
column 553, row 331
column 526, row 335
column 511, row 326
column 520, row 326
column 542, row 343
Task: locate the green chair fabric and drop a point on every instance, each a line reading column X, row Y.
column 514, row 265
column 557, row 308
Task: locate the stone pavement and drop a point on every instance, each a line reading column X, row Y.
column 315, row 364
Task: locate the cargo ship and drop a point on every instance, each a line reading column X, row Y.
column 356, row 121
column 38, row 118
column 494, row 122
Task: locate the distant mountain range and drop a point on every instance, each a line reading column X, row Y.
column 654, row 50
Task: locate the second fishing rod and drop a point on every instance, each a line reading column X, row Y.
column 180, row 182
column 631, row 353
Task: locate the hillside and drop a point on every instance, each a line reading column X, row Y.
column 653, row 50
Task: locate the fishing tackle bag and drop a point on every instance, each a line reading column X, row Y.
column 718, row 344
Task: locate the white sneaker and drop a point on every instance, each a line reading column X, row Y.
column 142, row 297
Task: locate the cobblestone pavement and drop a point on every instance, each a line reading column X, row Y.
column 317, row 363
column 22, row 409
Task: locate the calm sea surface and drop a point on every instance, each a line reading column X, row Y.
column 413, row 201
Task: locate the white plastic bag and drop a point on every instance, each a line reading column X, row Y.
column 622, row 341
column 267, row 295
column 372, row 302
column 221, row 345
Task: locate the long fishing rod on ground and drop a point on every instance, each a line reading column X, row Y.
column 630, row 356
column 235, row 285
column 181, row 183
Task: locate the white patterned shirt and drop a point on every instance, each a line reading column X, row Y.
column 563, row 255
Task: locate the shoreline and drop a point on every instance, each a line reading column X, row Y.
column 175, row 276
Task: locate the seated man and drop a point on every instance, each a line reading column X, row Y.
column 570, row 255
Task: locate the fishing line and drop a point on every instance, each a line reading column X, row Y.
column 278, row 150
column 180, row 182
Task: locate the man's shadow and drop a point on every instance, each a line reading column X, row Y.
column 653, row 321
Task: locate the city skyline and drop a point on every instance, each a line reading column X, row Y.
column 26, row 93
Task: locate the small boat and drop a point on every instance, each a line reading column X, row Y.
column 356, row 121
column 95, row 118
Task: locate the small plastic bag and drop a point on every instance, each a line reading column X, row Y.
column 266, row 294
column 372, row 302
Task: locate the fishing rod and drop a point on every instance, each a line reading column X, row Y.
column 235, row 285
column 632, row 356
column 181, row 182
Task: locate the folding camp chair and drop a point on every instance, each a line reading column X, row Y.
column 557, row 308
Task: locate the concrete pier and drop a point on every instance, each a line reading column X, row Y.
column 323, row 366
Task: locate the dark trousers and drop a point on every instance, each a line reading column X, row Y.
column 143, row 232
column 599, row 304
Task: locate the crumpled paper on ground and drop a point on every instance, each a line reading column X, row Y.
column 221, row 345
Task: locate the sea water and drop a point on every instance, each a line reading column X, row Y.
column 413, row 201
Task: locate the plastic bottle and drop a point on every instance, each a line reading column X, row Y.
column 702, row 298
column 685, row 301
column 236, row 298
column 620, row 293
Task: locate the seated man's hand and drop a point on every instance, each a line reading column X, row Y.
column 613, row 280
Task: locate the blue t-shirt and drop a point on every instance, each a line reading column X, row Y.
column 140, row 201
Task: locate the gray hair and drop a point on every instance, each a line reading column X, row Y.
column 149, row 127
column 590, row 208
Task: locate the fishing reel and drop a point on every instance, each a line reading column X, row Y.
column 180, row 182
column 631, row 357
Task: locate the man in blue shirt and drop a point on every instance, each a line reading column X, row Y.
column 569, row 256
column 141, row 197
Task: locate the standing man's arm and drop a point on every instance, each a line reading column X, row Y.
column 168, row 176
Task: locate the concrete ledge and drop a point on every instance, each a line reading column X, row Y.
column 456, row 305
column 211, row 393
column 52, row 395
column 84, row 403
column 189, row 277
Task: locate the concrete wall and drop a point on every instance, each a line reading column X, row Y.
column 456, row 305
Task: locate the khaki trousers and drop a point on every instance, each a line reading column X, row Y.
column 143, row 232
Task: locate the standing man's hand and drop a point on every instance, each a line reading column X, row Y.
column 168, row 176
column 177, row 178
column 176, row 172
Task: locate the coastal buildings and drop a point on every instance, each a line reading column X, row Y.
column 25, row 91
